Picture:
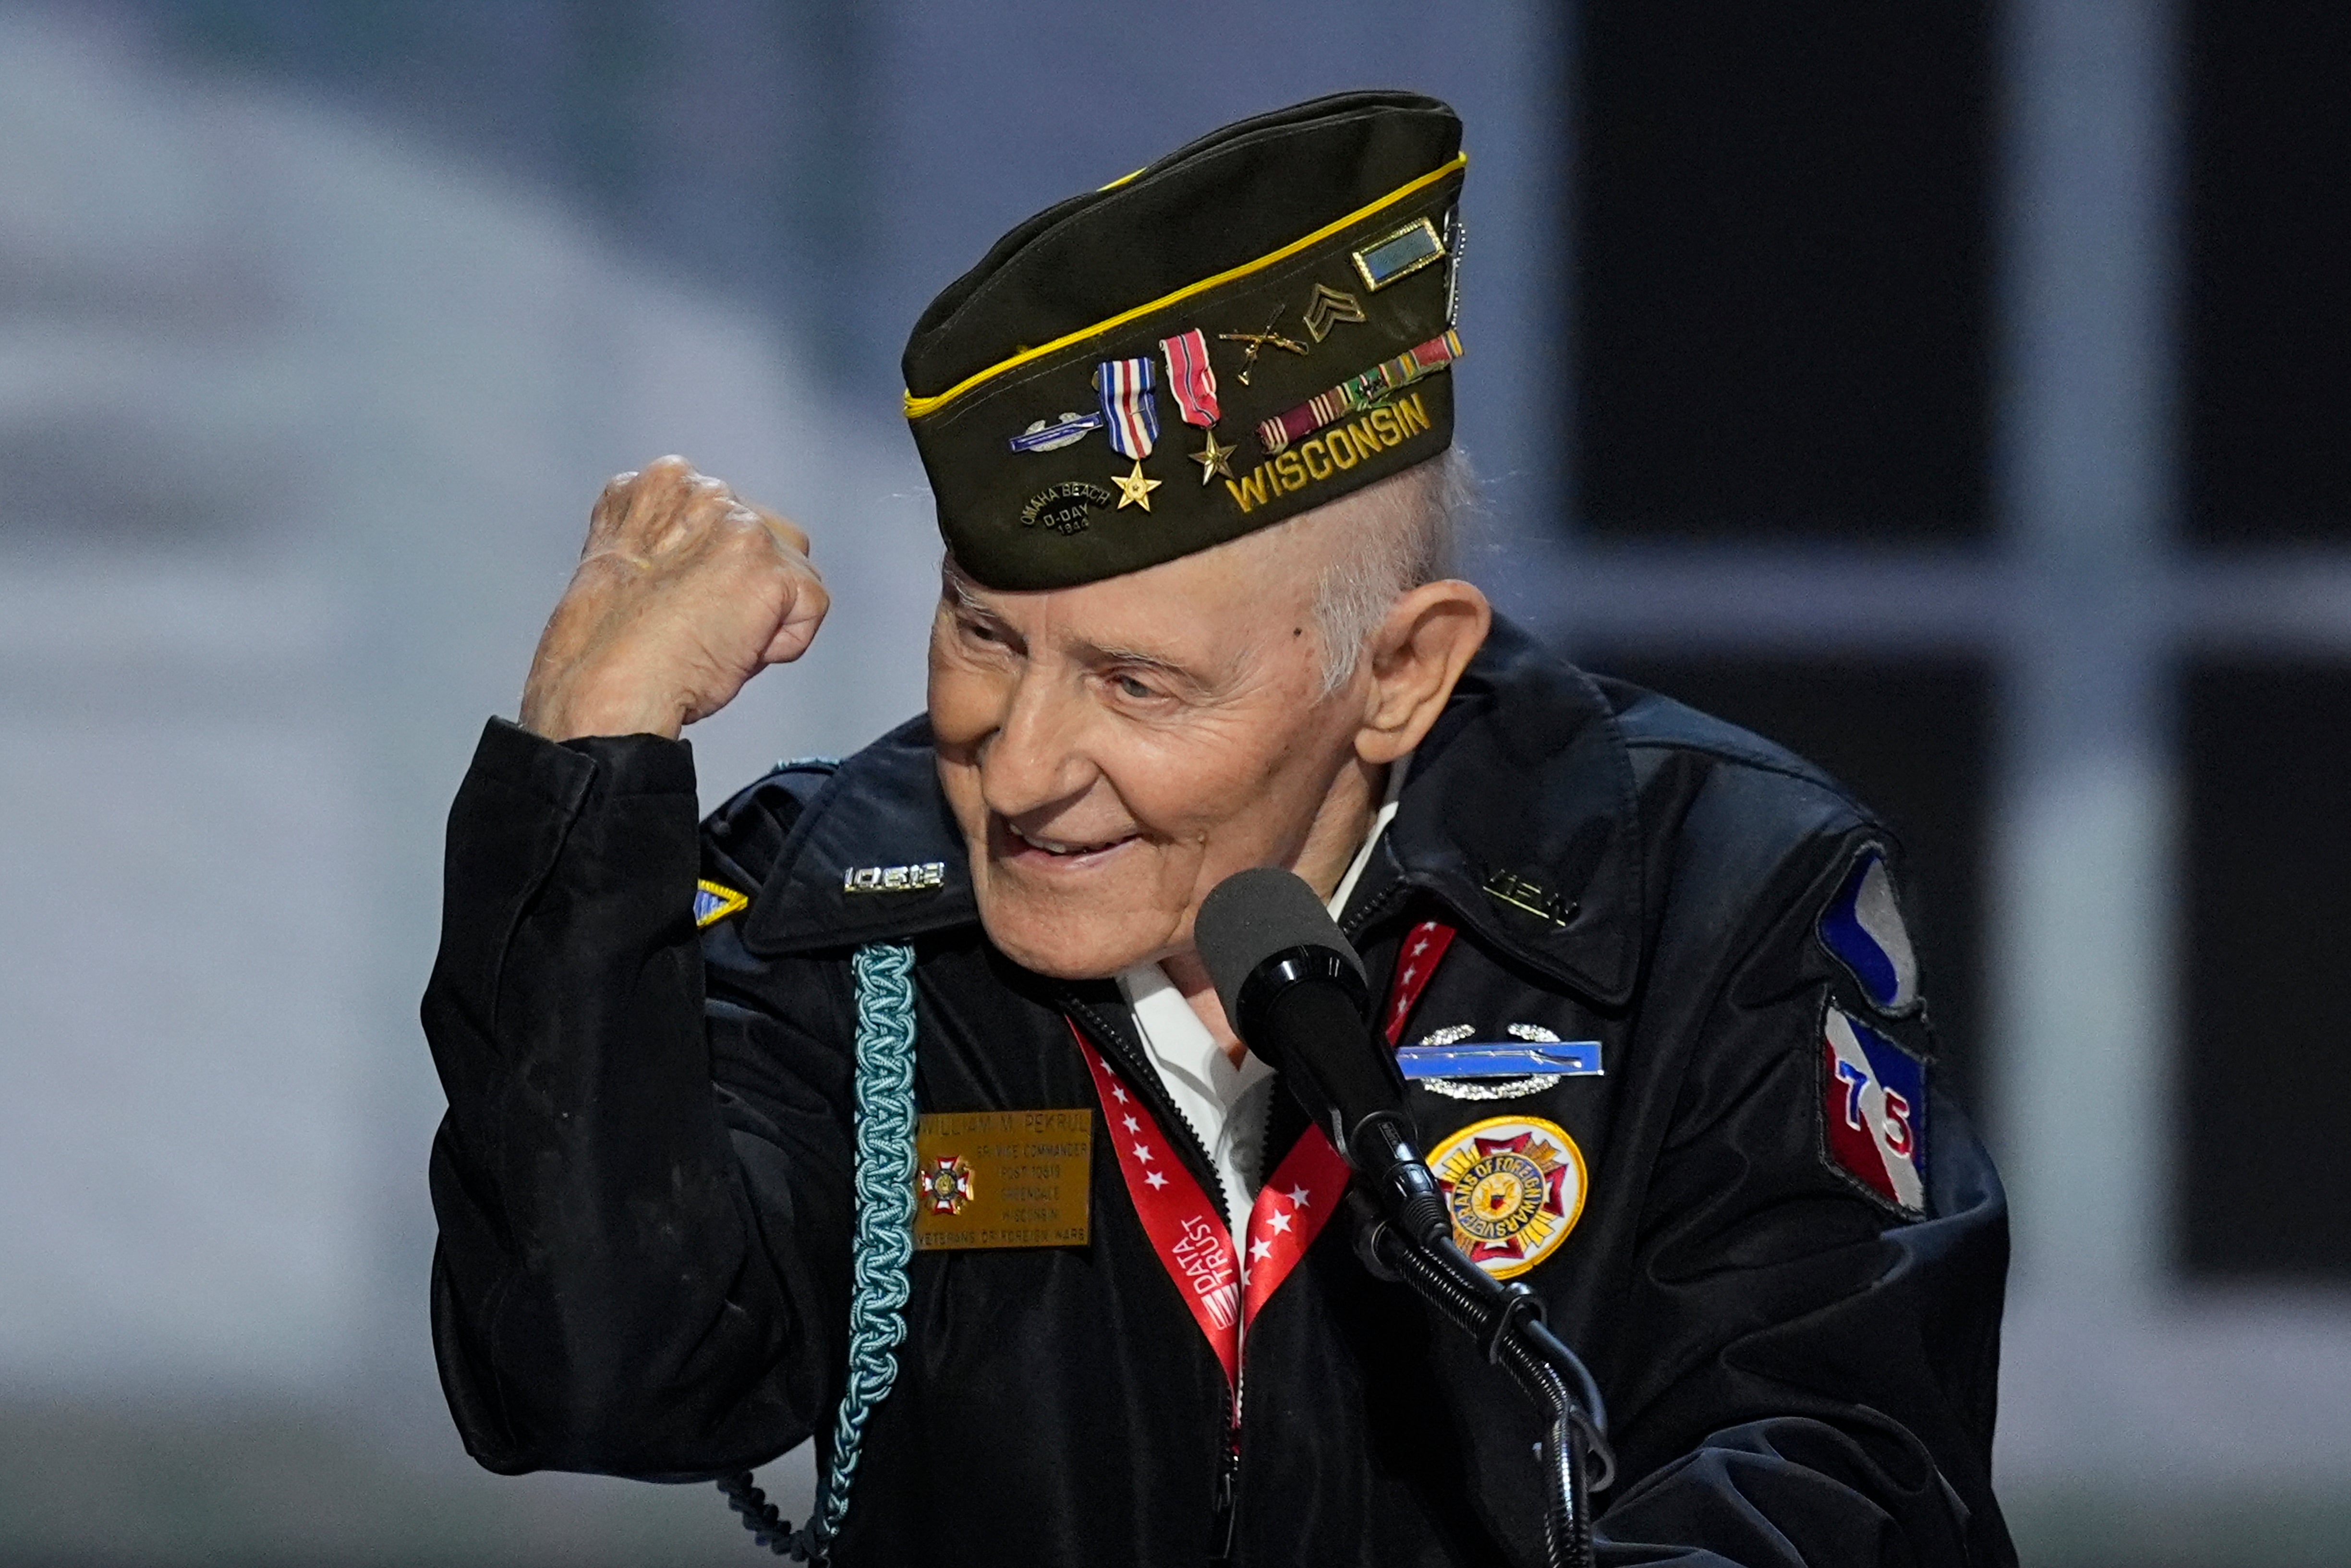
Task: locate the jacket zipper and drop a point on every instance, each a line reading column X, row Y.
column 1227, row 1518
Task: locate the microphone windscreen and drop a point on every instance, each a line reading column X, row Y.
column 1253, row 914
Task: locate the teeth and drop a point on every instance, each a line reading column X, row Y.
column 1056, row 847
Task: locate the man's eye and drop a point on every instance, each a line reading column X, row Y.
column 979, row 631
column 1129, row 686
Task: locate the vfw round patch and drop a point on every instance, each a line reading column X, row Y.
column 1515, row 1188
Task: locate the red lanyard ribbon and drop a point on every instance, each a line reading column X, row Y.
column 1187, row 1230
column 1224, row 1290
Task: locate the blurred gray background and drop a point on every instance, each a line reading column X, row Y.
column 1955, row 391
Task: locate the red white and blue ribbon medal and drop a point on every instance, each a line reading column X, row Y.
column 1131, row 419
column 1130, row 414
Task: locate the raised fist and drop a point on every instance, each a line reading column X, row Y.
column 685, row 591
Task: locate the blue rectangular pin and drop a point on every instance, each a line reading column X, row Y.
column 1399, row 255
column 1501, row 1059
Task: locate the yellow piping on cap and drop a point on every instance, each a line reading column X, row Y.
column 917, row 407
column 1122, row 180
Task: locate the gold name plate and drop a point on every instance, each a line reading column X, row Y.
column 1002, row 1178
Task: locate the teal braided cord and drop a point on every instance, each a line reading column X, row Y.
column 884, row 1241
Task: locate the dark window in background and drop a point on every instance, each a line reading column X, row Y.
column 1783, row 280
column 1909, row 738
column 2268, row 340
column 2265, row 1185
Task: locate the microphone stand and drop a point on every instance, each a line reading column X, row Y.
column 1413, row 1243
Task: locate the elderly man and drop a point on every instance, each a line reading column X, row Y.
column 893, row 1105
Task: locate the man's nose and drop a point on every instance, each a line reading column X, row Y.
column 1036, row 757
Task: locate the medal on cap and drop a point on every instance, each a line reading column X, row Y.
column 1214, row 459
column 1130, row 415
column 1191, row 383
column 1191, row 379
column 1134, row 490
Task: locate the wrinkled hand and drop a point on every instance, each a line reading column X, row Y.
column 685, row 591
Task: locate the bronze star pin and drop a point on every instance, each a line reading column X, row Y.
column 1211, row 458
column 1133, row 488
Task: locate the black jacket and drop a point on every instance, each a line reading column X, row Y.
column 643, row 1179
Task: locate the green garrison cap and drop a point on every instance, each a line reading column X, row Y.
column 1251, row 327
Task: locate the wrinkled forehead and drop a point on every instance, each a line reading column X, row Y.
column 1244, row 600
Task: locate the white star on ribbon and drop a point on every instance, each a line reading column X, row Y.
column 1118, row 1093
column 1301, row 1196
column 1142, row 1151
column 1156, row 1179
column 1279, row 1220
column 1132, row 1124
column 1261, row 1250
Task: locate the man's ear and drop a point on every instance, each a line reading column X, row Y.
column 1414, row 659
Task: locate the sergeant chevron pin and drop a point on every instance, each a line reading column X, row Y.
column 1327, row 307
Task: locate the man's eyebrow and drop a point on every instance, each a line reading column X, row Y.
column 1097, row 653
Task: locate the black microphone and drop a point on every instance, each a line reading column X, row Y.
column 1293, row 989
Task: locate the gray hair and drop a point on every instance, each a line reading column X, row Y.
column 1404, row 531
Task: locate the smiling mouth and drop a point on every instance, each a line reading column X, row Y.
column 1040, row 849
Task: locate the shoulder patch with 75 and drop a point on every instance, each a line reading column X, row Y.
column 1874, row 1111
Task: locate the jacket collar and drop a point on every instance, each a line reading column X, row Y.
column 1519, row 815
column 881, row 811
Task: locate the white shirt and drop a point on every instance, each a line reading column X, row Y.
column 1225, row 1101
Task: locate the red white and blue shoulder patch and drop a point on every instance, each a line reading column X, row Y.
column 1874, row 1111
column 713, row 902
column 1862, row 929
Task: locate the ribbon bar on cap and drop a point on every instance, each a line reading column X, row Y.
column 1360, row 392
